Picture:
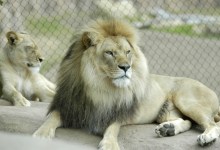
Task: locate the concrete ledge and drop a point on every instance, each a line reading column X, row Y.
column 18, row 123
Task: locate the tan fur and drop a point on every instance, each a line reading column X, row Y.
column 101, row 53
column 19, row 68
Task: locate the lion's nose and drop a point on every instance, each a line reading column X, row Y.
column 124, row 67
column 40, row 59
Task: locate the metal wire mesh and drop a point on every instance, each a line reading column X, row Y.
column 179, row 37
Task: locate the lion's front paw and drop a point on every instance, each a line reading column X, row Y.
column 44, row 133
column 22, row 102
column 163, row 130
column 108, row 144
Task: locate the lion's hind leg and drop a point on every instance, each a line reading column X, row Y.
column 171, row 122
column 217, row 117
column 212, row 131
column 171, row 128
column 210, row 135
column 205, row 117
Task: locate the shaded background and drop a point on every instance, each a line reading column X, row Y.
column 179, row 37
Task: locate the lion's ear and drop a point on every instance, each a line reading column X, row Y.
column 87, row 42
column 89, row 39
column 12, row 37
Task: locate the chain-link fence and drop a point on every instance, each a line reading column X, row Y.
column 179, row 37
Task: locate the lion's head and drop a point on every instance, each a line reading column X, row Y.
column 102, row 77
column 112, row 59
column 112, row 53
column 22, row 51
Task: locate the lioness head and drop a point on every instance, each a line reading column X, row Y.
column 113, row 52
column 22, row 51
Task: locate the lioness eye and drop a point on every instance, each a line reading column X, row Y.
column 127, row 52
column 109, row 53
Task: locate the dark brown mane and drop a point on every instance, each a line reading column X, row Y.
column 76, row 109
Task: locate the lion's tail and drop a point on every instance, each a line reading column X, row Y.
column 217, row 116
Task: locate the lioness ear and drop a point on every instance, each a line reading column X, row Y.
column 12, row 37
column 89, row 39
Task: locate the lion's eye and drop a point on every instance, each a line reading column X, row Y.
column 27, row 48
column 109, row 53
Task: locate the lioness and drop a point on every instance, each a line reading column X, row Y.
column 19, row 69
column 104, row 84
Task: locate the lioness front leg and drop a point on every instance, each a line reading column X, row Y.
column 45, row 94
column 47, row 130
column 44, row 90
column 109, row 141
column 11, row 94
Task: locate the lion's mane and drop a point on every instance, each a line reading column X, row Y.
column 78, row 109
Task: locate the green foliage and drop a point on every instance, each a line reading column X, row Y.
column 184, row 30
column 180, row 29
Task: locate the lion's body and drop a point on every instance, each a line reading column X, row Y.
column 19, row 69
column 104, row 83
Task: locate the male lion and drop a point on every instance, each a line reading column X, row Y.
column 19, row 70
column 104, row 83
